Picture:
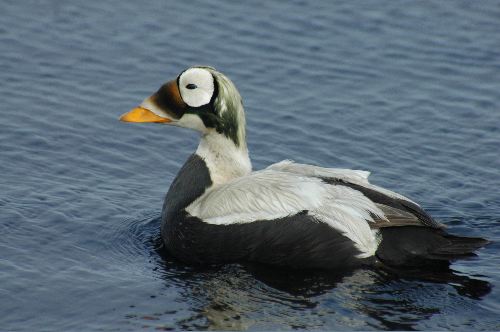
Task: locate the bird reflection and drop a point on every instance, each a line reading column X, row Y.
column 239, row 297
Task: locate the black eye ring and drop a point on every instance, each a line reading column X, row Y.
column 191, row 86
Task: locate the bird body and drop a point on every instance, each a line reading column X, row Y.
column 218, row 210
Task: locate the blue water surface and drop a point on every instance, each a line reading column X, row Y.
column 407, row 90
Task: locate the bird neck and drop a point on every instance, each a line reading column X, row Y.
column 225, row 159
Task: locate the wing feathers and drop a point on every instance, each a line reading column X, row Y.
column 321, row 172
column 348, row 175
column 270, row 194
column 404, row 212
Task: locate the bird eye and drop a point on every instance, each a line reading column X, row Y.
column 191, row 86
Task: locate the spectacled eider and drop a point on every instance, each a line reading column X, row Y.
column 218, row 210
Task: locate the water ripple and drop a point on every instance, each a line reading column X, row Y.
column 407, row 91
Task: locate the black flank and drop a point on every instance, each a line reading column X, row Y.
column 296, row 241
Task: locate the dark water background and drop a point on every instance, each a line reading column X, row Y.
column 407, row 90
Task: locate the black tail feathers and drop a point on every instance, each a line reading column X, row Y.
column 414, row 246
column 458, row 247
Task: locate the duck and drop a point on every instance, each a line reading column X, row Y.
column 291, row 215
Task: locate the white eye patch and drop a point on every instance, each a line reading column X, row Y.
column 196, row 86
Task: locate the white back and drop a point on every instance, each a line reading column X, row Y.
column 350, row 175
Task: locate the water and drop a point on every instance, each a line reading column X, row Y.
column 407, row 90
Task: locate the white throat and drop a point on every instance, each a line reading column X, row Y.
column 225, row 160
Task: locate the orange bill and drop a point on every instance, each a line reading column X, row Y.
column 141, row 114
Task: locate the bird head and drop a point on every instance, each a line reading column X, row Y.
column 200, row 98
